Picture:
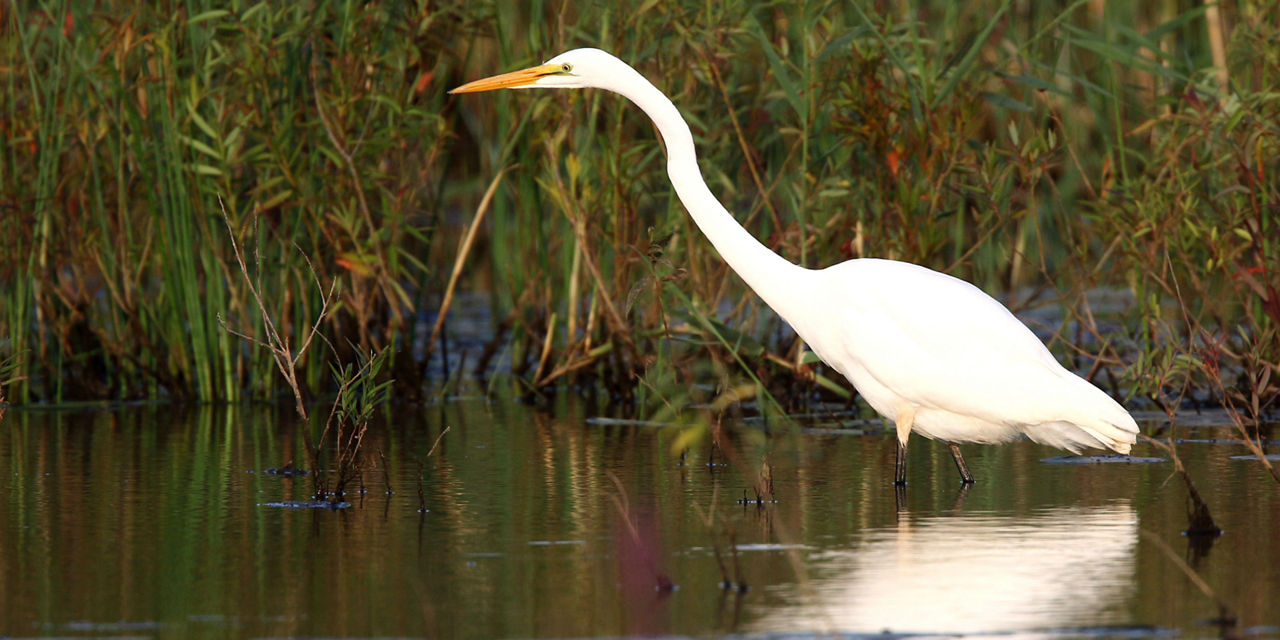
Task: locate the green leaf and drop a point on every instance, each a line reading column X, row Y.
column 1005, row 102
column 201, row 122
column 962, row 68
column 208, row 15
column 779, row 69
column 201, row 147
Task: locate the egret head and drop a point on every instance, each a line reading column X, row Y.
column 576, row 69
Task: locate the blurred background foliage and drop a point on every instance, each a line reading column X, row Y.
column 1107, row 169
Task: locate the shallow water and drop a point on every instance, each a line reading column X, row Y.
column 153, row 522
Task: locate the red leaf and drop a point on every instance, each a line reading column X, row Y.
column 423, row 80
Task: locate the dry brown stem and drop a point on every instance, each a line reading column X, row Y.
column 279, row 345
column 463, row 251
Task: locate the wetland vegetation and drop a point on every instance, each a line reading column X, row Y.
column 218, row 206
column 1042, row 151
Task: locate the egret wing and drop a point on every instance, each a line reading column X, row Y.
column 937, row 341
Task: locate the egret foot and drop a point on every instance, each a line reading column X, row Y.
column 965, row 476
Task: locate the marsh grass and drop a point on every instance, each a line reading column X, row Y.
column 124, row 127
column 362, row 390
column 1040, row 150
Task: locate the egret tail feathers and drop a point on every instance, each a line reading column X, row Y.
column 1119, row 436
column 1117, row 433
column 1093, row 420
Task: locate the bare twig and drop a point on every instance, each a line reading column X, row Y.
column 437, row 442
column 279, row 345
column 386, row 472
column 422, row 496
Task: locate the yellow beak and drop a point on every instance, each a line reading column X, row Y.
column 521, row 78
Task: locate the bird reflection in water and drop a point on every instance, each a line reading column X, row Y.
column 970, row 573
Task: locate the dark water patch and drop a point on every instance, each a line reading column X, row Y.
column 757, row 547
column 1208, row 441
column 86, row 626
column 283, row 471
column 1271, row 457
column 624, row 422
column 1107, row 458
column 1268, row 631
column 841, row 418
column 1214, row 418
column 1117, row 631
column 306, row 504
column 873, row 430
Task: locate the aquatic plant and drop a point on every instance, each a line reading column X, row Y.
column 361, row 391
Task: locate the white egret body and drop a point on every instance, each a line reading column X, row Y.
column 931, row 352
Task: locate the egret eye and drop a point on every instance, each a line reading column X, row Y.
column 566, row 67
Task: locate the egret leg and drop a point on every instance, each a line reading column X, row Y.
column 906, row 416
column 900, row 466
column 965, row 476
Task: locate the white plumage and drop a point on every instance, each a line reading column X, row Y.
column 933, row 353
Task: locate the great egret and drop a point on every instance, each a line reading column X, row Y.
column 933, row 353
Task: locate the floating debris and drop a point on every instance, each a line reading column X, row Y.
column 1235, row 441
column 306, row 504
column 1109, row 458
column 287, row 470
column 620, row 422
column 759, row 500
column 871, row 430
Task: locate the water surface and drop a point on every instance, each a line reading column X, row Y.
column 152, row 522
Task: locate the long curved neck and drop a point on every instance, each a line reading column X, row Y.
column 770, row 275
